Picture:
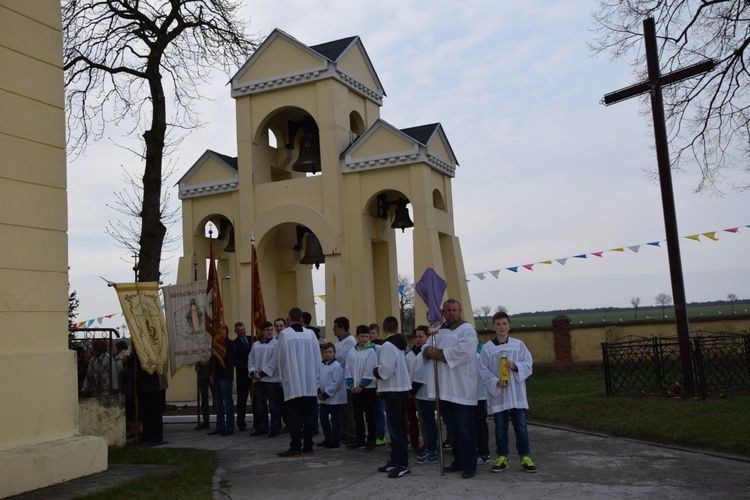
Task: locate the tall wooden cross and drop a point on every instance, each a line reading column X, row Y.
column 653, row 85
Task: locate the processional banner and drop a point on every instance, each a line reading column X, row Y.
column 185, row 307
column 141, row 307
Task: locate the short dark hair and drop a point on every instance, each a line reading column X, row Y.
column 390, row 324
column 374, row 326
column 122, row 345
column 423, row 329
column 239, row 324
column 342, row 322
column 306, row 317
column 500, row 315
column 295, row 314
column 327, row 345
column 363, row 329
column 265, row 325
column 280, row 319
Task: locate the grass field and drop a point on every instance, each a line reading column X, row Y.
column 615, row 315
column 577, row 399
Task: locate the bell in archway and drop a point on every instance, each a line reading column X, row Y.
column 401, row 218
column 313, row 252
column 230, row 241
column 309, row 155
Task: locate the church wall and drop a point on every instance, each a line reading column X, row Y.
column 37, row 448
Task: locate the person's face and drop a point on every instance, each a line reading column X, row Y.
column 451, row 312
column 240, row 330
column 337, row 330
column 501, row 327
column 268, row 332
column 420, row 338
column 363, row 338
column 279, row 325
column 328, row 354
column 374, row 334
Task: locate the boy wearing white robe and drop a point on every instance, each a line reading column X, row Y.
column 360, row 380
column 394, row 387
column 507, row 401
column 298, row 360
column 331, row 395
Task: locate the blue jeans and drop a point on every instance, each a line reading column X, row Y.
column 518, row 417
column 330, row 422
column 461, row 425
column 380, row 417
column 266, row 395
column 399, row 443
column 427, row 421
column 224, row 405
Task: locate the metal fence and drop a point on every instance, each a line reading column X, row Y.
column 97, row 368
column 651, row 366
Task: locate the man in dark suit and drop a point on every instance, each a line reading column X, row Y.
column 242, row 343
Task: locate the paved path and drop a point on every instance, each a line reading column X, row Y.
column 571, row 466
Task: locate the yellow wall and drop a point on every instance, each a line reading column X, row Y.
column 39, row 441
column 586, row 340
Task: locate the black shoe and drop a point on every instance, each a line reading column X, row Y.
column 329, row 446
column 272, row 434
column 447, row 445
column 453, row 468
column 354, row 445
column 241, row 429
column 388, row 467
column 289, row 453
column 322, row 443
column 215, row 432
column 202, row 426
column 370, row 447
column 258, row 433
column 307, row 451
column 469, row 473
column 399, row 471
column 226, row 433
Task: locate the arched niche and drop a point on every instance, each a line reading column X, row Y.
column 278, row 142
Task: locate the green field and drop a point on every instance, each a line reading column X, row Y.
column 578, row 316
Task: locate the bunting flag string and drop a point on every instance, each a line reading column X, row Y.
column 711, row 235
column 482, row 275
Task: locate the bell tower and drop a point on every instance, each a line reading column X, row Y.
column 321, row 179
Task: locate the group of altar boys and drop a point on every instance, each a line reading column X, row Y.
column 351, row 383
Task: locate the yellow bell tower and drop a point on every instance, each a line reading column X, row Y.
column 321, row 179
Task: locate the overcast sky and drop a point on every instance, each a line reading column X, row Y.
column 545, row 171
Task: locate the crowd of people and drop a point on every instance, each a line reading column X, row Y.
column 355, row 390
column 362, row 387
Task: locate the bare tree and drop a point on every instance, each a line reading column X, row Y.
column 663, row 300
column 501, row 309
column 635, row 302
column 406, row 304
column 708, row 115
column 482, row 314
column 122, row 60
column 732, row 298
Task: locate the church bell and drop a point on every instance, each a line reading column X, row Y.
column 230, row 241
column 309, row 155
column 313, row 252
column 401, row 218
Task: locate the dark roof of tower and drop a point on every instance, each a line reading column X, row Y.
column 229, row 160
column 333, row 50
column 421, row 133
